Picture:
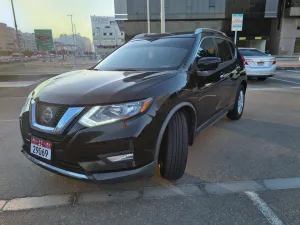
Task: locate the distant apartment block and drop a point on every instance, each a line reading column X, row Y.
column 108, row 34
column 80, row 44
column 28, row 42
column 7, row 38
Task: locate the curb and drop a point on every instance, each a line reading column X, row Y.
column 288, row 68
column 148, row 193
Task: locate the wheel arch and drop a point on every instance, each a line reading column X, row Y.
column 191, row 116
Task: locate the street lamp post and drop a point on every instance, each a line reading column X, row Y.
column 73, row 38
column 163, row 26
column 17, row 33
column 148, row 16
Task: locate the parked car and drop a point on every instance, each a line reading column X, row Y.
column 258, row 64
column 140, row 107
column 5, row 59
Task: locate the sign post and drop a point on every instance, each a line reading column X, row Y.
column 237, row 24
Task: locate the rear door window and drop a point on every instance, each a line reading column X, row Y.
column 233, row 49
column 224, row 49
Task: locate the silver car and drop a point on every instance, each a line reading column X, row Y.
column 258, row 64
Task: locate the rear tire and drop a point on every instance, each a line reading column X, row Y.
column 174, row 148
column 237, row 111
column 262, row 78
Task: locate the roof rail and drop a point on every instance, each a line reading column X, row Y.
column 150, row 35
column 139, row 36
column 199, row 30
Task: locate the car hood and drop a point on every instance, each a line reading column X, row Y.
column 90, row 87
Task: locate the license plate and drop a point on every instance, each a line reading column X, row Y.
column 260, row 63
column 41, row 148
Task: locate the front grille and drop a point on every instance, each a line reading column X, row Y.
column 49, row 115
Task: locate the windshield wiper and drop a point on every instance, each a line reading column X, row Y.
column 121, row 69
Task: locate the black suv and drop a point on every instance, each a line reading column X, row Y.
column 139, row 108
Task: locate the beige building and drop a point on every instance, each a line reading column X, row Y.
column 7, row 38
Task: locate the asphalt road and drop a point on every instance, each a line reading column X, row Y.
column 264, row 144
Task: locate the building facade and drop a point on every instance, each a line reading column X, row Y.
column 27, row 41
column 65, row 42
column 7, row 38
column 271, row 25
column 108, row 34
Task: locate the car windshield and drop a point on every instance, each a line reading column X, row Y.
column 251, row 52
column 152, row 54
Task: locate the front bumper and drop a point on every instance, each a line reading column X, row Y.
column 147, row 170
column 85, row 153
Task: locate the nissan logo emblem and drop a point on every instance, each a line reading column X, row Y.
column 47, row 115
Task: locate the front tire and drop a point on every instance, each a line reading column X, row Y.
column 237, row 111
column 174, row 148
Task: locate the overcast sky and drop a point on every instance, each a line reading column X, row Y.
column 52, row 14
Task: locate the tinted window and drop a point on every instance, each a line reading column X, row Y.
column 233, row 50
column 251, row 52
column 151, row 54
column 224, row 50
column 207, row 48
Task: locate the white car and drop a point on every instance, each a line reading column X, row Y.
column 258, row 64
column 5, row 59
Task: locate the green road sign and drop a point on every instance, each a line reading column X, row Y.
column 44, row 40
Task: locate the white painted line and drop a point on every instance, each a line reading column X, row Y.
column 13, row 97
column 287, row 81
column 16, row 84
column 294, row 71
column 271, row 88
column 4, row 121
column 264, row 208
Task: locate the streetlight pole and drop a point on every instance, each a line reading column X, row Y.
column 162, row 11
column 17, row 33
column 73, row 38
column 148, row 16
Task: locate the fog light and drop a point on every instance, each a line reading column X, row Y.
column 119, row 158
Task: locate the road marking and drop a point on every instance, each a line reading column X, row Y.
column 271, row 88
column 14, row 84
column 287, row 81
column 13, row 97
column 264, row 208
column 294, row 71
column 14, row 120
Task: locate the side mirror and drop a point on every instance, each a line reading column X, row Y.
column 208, row 63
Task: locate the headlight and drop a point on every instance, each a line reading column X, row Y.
column 99, row 115
column 27, row 104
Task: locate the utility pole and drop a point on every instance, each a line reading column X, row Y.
column 163, row 18
column 17, row 33
column 73, row 39
column 148, row 16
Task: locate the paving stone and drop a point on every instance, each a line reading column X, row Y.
column 108, row 196
column 223, row 188
column 37, row 202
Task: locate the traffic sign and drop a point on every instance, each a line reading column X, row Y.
column 237, row 22
column 44, row 40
